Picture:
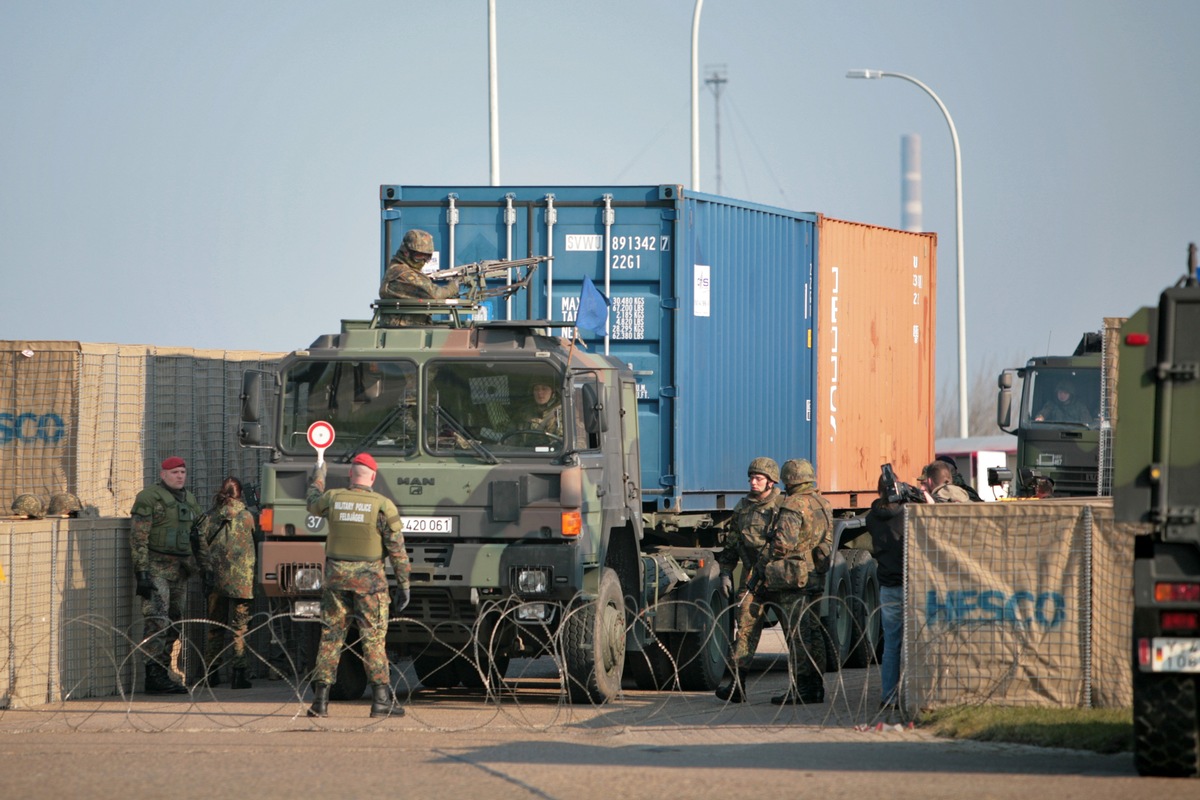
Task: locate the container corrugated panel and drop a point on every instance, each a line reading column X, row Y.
column 875, row 356
column 713, row 306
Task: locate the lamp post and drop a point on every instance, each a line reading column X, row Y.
column 873, row 74
column 696, row 9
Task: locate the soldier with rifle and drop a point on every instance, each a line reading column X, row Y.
column 789, row 575
column 744, row 543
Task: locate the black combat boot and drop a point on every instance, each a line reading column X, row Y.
column 237, row 679
column 158, row 681
column 212, row 677
column 383, row 702
column 733, row 692
column 320, row 703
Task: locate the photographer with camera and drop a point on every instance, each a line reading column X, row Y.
column 885, row 523
column 938, row 481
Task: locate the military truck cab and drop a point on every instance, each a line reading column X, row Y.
column 1055, row 440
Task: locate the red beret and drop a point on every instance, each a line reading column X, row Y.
column 366, row 460
column 173, row 462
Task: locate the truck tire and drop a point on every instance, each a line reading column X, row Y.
column 351, row 679
column 704, row 654
column 866, row 631
column 1166, row 731
column 651, row 669
column 436, row 670
column 839, row 623
column 594, row 644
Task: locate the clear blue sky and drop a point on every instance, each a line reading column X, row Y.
column 206, row 174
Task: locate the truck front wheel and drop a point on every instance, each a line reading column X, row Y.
column 594, row 644
column 1166, row 730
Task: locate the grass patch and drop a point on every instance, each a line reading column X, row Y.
column 1101, row 730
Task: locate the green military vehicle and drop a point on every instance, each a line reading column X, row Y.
column 523, row 536
column 1157, row 484
column 1062, row 447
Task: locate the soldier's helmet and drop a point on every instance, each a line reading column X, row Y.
column 764, row 466
column 28, row 504
column 63, row 503
column 418, row 241
column 798, row 470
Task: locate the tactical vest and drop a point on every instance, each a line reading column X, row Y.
column 173, row 536
column 353, row 535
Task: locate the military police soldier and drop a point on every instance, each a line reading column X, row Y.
column 160, row 540
column 404, row 279
column 788, row 575
column 364, row 527
column 745, row 540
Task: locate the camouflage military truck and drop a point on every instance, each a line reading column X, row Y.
column 590, row 536
column 1157, row 483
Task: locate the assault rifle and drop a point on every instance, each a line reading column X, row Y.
column 474, row 276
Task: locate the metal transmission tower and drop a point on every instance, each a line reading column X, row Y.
column 715, row 81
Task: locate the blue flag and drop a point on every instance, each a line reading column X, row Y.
column 593, row 309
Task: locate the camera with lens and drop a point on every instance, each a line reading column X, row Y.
column 897, row 490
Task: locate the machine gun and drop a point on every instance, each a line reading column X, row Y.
column 474, row 277
column 897, row 490
column 474, row 289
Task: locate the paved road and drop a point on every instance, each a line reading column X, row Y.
column 528, row 744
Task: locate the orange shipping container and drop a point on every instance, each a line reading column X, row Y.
column 875, row 357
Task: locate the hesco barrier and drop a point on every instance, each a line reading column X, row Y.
column 96, row 420
column 1024, row 603
column 72, row 624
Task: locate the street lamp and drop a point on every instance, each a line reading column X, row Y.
column 873, row 74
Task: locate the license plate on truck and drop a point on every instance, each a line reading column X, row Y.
column 428, row 524
column 1175, row 655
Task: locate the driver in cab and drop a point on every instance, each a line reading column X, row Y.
column 1065, row 407
column 543, row 413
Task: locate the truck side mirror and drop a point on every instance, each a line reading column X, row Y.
column 250, row 434
column 251, row 396
column 1004, row 401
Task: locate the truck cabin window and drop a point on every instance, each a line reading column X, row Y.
column 1064, row 397
column 372, row 405
column 510, row 408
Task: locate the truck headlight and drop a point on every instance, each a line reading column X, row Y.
column 532, row 581
column 306, row 609
column 307, row 579
column 533, row 612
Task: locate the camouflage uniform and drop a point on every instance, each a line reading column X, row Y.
column 361, row 585
column 748, row 533
column 792, row 567
column 168, row 571
column 546, row 418
column 227, row 554
column 404, row 279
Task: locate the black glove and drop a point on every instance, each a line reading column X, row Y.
column 400, row 599
column 209, row 582
column 145, row 586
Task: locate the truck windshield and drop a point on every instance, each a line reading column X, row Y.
column 1062, row 397
column 371, row 405
column 507, row 407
